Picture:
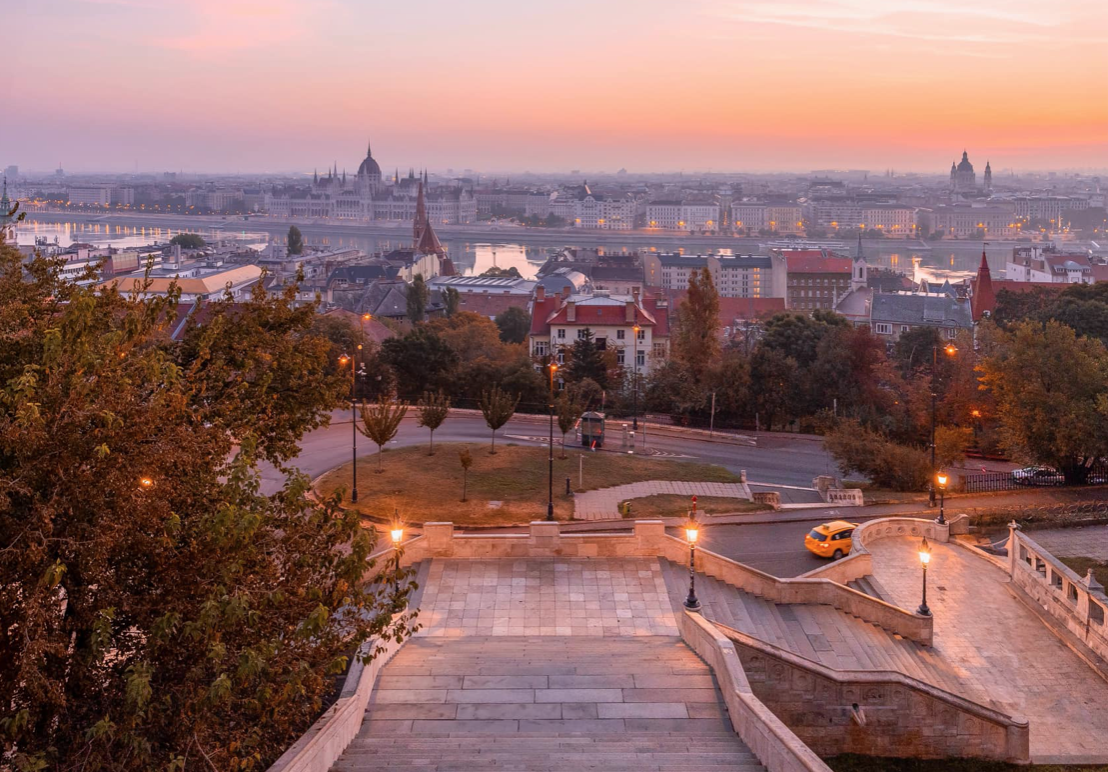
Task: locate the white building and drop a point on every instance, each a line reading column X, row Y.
column 695, row 217
column 1037, row 263
column 735, row 276
column 92, row 195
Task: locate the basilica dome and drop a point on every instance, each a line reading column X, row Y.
column 369, row 167
column 965, row 165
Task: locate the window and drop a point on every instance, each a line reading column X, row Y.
column 952, row 333
column 883, row 329
column 619, row 334
column 642, row 333
column 540, row 348
column 581, row 333
column 562, row 332
column 904, row 328
column 620, row 357
column 640, row 359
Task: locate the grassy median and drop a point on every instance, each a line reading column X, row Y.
column 503, row 489
column 673, row 505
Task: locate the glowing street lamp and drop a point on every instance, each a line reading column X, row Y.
column 924, row 559
column 550, row 479
column 942, row 479
column 692, row 532
column 950, row 350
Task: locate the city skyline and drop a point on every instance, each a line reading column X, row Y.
column 752, row 86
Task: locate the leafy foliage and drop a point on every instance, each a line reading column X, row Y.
column 432, row 410
column 465, row 458
column 585, row 360
column 696, row 339
column 188, row 241
column 418, row 295
column 380, row 422
column 568, row 407
column 886, row 463
column 514, row 324
column 296, row 241
column 497, row 406
column 154, row 604
column 451, row 300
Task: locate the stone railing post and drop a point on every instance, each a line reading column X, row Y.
column 545, row 536
column 1013, row 547
column 648, row 537
column 440, row 538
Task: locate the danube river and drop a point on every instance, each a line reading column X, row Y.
column 476, row 248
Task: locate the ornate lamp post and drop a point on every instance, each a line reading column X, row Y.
column 942, row 478
column 950, row 350
column 343, row 360
column 924, row 559
column 550, row 481
column 635, row 378
column 397, row 534
column 692, row 531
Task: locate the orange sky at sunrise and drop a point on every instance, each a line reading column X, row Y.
column 726, row 85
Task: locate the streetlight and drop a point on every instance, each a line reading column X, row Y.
column 353, row 423
column 550, row 490
column 635, row 379
column 924, row 559
column 942, row 478
column 397, row 534
column 146, row 482
column 692, row 531
column 950, row 350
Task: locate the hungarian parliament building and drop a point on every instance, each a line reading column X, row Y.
column 368, row 196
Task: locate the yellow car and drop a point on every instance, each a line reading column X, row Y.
column 830, row 540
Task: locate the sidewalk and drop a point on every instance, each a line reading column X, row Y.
column 603, row 504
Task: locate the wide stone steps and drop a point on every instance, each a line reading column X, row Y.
column 546, row 704
column 870, row 586
column 817, row 632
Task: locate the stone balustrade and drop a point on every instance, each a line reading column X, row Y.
column 1079, row 603
column 875, row 713
column 775, row 744
column 649, row 539
column 326, row 739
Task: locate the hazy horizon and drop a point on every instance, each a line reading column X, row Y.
column 727, row 86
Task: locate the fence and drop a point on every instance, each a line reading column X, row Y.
column 1020, row 479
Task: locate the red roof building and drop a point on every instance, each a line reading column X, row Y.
column 816, row 278
column 558, row 321
column 983, row 300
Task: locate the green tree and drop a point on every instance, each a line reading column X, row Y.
column 797, row 335
column 421, row 360
column 497, row 406
column 514, row 324
column 1047, row 383
column 154, row 604
column 495, row 272
column 380, row 422
column 696, row 341
column 418, row 295
column 188, row 241
column 432, row 410
column 296, row 241
column 569, row 408
column 466, row 460
column 451, row 300
column 885, row 463
column 586, row 361
column 774, row 376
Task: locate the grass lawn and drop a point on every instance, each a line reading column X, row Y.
column 1081, row 565
column 429, row 488
column 849, row 763
column 672, row 505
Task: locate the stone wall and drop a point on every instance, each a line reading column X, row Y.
column 1078, row 603
column 875, row 713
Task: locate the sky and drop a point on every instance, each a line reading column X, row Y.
column 516, row 85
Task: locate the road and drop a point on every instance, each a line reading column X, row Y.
column 778, row 461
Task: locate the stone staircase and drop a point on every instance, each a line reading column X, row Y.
column 546, row 704
column 870, row 586
column 819, row 632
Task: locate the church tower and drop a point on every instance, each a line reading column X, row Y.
column 988, row 177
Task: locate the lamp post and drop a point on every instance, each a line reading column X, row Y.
column 550, row 481
column 692, row 531
column 353, row 423
column 942, row 479
column 635, row 378
column 950, row 350
column 397, row 534
column 924, row 559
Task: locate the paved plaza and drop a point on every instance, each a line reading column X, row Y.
column 998, row 647
column 546, row 596
column 603, row 504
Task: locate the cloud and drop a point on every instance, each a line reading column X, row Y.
column 227, row 25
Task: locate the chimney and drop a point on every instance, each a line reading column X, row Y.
column 571, row 311
column 635, row 293
column 630, row 308
column 565, row 292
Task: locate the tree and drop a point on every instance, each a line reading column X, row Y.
column 497, row 407
column 418, row 295
column 451, row 300
column 569, row 408
column 188, row 241
column 514, row 324
column 495, row 272
column 421, row 360
column 1047, row 383
column 773, row 375
column 296, row 241
column 154, row 605
column 380, row 422
column 885, row 463
column 586, row 361
column 797, row 335
column 466, row 460
column 696, row 340
column 950, row 445
column 432, row 410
